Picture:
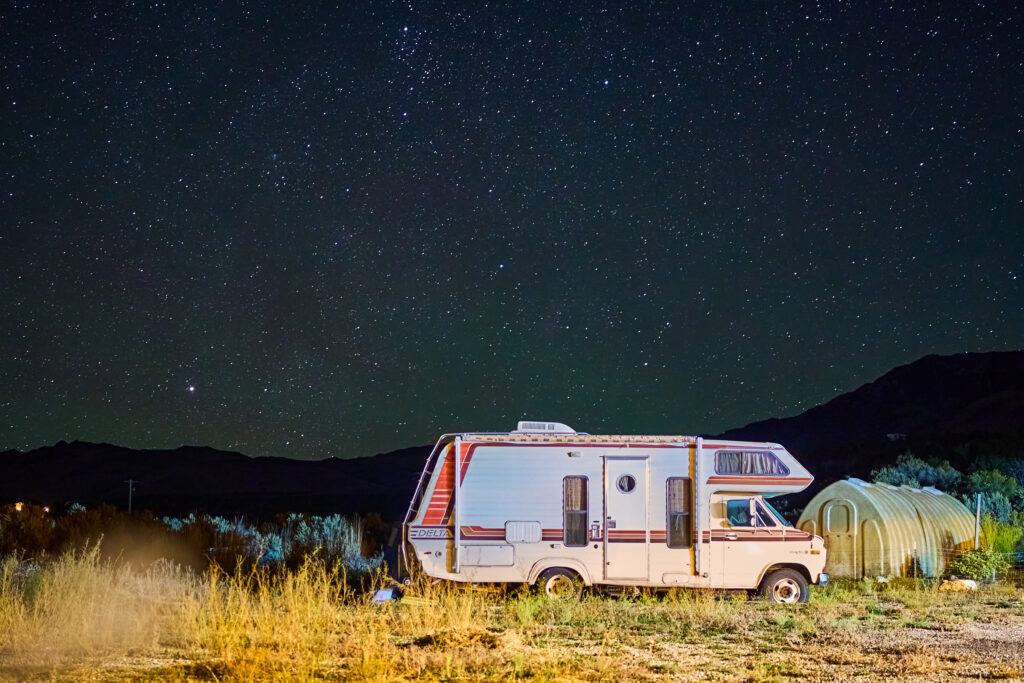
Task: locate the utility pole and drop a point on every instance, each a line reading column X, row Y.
column 131, row 487
column 977, row 522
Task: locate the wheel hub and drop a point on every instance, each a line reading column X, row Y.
column 559, row 586
column 786, row 590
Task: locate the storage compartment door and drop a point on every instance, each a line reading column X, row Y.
column 487, row 556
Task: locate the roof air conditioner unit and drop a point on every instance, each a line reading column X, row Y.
column 543, row 428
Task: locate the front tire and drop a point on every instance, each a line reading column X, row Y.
column 786, row 586
column 559, row 583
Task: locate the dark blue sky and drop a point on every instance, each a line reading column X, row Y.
column 302, row 232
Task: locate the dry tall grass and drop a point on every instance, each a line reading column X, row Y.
column 77, row 605
column 78, row 618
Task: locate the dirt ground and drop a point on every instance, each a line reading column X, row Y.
column 909, row 637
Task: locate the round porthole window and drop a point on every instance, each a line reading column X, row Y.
column 626, row 483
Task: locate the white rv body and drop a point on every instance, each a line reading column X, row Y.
column 654, row 511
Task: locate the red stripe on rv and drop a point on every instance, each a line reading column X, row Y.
column 466, row 456
column 753, row 479
column 440, row 498
column 737, row 447
column 561, row 444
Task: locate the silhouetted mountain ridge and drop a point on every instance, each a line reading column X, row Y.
column 178, row 481
column 937, row 406
column 961, row 394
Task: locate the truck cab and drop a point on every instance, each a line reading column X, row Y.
column 751, row 542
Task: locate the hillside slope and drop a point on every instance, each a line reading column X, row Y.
column 938, row 406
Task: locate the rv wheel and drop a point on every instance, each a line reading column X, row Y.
column 785, row 585
column 559, row 583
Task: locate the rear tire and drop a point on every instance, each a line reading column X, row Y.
column 559, row 583
column 786, row 586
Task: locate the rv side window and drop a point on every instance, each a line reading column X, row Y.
column 749, row 463
column 762, row 518
column 677, row 504
column 574, row 505
column 738, row 512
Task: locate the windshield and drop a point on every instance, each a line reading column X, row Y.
column 776, row 513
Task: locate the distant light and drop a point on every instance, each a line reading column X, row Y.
column 191, row 389
column 18, row 506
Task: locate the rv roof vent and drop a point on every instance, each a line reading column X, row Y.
column 544, row 428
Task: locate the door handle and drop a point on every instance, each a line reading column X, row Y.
column 731, row 536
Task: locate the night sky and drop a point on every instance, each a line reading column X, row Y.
column 291, row 231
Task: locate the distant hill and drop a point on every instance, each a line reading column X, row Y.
column 940, row 406
column 175, row 482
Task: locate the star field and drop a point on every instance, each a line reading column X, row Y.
column 292, row 231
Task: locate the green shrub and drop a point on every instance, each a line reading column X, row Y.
column 978, row 564
column 1000, row 536
column 910, row 470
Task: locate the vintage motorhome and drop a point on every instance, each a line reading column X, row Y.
column 546, row 505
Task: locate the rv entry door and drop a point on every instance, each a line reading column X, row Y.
column 626, row 518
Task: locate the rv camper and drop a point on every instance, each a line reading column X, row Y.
column 546, row 505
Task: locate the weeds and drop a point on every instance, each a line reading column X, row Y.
column 65, row 617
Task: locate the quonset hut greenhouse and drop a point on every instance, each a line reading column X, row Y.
column 883, row 530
